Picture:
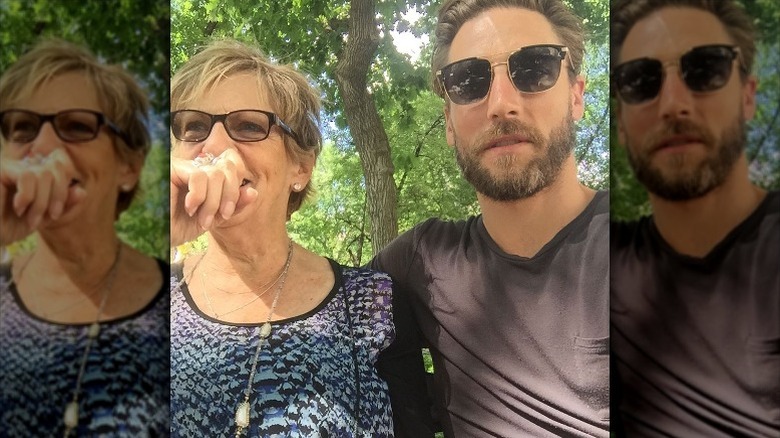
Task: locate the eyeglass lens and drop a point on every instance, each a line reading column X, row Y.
column 532, row 70
column 244, row 125
column 703, row 69
column 19, row 126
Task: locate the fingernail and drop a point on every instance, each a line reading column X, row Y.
column 56, row 209
column 207, row 222
column 228, row 210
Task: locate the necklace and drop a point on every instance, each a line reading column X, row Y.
column 260, row 295
column 242, row 411
column 71, row 417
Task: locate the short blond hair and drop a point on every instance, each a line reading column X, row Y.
column 120, row 97
column 295, row 100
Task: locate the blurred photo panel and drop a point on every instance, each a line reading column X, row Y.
column 84, row 234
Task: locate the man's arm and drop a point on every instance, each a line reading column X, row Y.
column 401, row 365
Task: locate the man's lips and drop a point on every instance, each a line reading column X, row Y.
column 506, row 140
column 677, row 140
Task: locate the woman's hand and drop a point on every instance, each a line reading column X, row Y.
column 33, row 191
column 204, row 193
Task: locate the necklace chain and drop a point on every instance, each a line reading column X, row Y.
column 267, row 286
column 243, row 410
column 71, row 416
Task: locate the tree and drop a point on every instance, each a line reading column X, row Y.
column 318, row 37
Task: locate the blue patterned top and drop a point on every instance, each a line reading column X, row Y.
column 313, row 372
column 125, row 387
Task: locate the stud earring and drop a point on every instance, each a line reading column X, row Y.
column 126, row 187
column 297, row 187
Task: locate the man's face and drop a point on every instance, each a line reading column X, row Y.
column 510, row 145
column 683, row 143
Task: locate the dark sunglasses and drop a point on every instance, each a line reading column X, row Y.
column 73, row 126
column 531, row 69
column 703, row 69
column 241, row 125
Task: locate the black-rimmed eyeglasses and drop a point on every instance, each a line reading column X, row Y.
column 531, row 69
column 73, row 126
column 703, row 69
column 242, row 125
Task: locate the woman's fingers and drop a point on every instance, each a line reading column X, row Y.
column 213, row 187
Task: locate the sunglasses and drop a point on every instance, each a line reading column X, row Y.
column 241, row 125
column 73, row 126
column 703, row 69
column 531, row 69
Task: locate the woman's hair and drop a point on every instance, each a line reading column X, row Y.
column 296, row 101
column 120, row 97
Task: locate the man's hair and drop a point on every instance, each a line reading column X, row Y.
column 739, row 26
column 120, row 97
column 296, row 101
column 454, row 13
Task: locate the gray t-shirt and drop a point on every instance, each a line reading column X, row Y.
column 696, row 341
column 520, row 345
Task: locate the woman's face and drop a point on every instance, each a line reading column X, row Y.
column 94, row 165
column 263, row 165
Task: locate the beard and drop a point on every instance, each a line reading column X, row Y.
column 679, row 179
column 509, row 180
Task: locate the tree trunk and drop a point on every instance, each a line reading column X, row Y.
column 365, row 124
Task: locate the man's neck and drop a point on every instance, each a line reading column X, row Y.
column 696, row 226
column 524, row 226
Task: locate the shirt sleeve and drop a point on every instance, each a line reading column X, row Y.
column 401, row 364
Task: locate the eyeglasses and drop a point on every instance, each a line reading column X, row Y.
column 703, row 69
column 241, row 125
column 74, row 126
column 531, row 69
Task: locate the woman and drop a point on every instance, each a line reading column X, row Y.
column 83, row 317
column 268, row 338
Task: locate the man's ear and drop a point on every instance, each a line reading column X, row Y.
column 749, row 97
column 578, row 98
column 450, row 131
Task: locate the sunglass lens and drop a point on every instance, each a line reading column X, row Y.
column 191, row 125
column 535, row 69
column 20, row 126
column 640, row 80
column 77, row 125
column 707, row 68
column 466, row 81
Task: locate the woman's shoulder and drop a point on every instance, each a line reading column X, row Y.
column 360, row 277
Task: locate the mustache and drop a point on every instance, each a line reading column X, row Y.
column 510, row 127
column 677, row 127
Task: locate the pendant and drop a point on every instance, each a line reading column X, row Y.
column 94, row 330
column 242, row 416
column 265, row 330
column 72, row 415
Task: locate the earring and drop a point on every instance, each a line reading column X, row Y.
column 126, row 187
column 297, row 187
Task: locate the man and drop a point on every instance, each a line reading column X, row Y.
column 513, row 302
column 695, row 304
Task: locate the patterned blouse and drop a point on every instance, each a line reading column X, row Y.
column 315, row 373
column 125, row 387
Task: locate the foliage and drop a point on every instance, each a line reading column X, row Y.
column 134, row 34
column 310, row 35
